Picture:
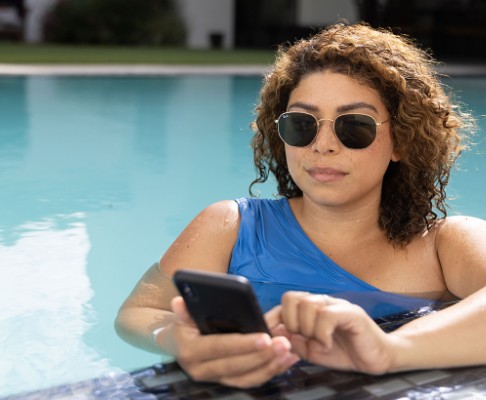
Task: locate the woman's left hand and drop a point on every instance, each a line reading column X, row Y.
column 332, row 332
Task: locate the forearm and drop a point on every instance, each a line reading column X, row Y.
column 136, row 325
column 448, row 338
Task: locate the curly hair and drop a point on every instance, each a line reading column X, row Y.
column 426, row 125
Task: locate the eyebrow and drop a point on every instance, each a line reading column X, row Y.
column 357, row 106
column 340, row 109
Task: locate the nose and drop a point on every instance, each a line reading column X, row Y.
column 326, row 140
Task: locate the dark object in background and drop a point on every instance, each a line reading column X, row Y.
column 114, row 22
column 452, row 29
column 11, row 31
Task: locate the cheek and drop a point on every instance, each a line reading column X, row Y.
column 376, row 162
column 294, row 157
column 383, row 148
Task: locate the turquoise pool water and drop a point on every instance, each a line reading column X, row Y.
column 98, row 176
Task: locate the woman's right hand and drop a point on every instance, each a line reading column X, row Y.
column 239, row 360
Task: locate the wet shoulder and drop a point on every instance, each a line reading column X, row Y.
column 222, row 216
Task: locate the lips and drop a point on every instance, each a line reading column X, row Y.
column 326, row 174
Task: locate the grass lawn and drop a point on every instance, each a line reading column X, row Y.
column 13, row 53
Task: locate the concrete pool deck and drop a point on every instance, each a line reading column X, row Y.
column 136, row 69
column 448, row 69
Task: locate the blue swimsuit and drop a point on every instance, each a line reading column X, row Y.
column 275, row 255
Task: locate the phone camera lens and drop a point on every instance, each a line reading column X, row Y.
column 187, row 291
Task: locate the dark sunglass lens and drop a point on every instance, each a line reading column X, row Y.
column 355, row 131
column 297, row 129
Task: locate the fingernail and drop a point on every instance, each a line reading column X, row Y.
column 263, row 342
column 288, row 359
column 282, row 348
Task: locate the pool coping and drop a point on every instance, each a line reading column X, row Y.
column 448, row 69
column 129, row 69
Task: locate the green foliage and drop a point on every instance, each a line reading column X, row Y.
column 120, row 22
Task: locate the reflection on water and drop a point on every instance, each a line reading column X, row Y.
column 139, row 157
column 45, row 306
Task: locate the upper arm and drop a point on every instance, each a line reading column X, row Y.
column 206, row 243
column 461, row 247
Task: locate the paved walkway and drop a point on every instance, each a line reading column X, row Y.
column 468, row 70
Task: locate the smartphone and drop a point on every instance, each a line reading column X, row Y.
column 220, row 303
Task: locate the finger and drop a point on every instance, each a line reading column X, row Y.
column 232, row 370
column 308, row 313
column 300, row 345
column 315, row 308
column 316, row 348
column 290, row 309
column 258, row 376
column 272, row 317
column 231, row 366
column 280, row 330
column 341, row 316
column 326, row 322
column 204, row 348
column 283, row 359
column 335, row 300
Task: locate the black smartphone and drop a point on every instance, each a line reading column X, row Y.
column 220, row 303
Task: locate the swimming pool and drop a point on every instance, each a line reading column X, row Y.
column 98, row 177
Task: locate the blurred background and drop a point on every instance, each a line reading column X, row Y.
column 453, row 29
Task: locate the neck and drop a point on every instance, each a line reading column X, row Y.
column 340, row 222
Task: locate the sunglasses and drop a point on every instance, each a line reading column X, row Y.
column 355, row 131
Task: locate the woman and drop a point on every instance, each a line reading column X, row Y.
column 356, row 129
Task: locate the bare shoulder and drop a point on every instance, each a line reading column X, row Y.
column 460, row 228
column 225, row 212
column 219, row 219
column 207, row 242
column 461, row 247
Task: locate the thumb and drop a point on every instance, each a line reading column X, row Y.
column 180, row 310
